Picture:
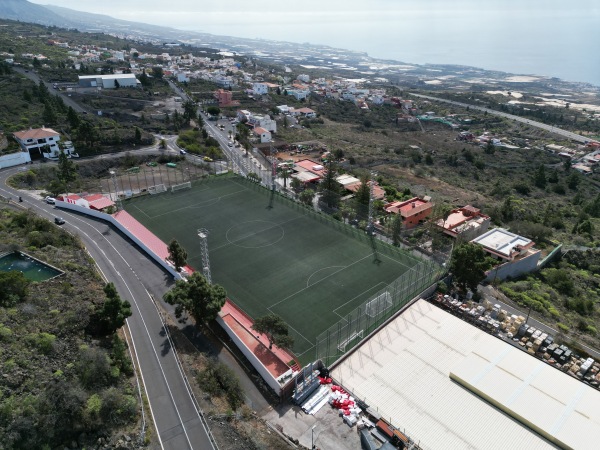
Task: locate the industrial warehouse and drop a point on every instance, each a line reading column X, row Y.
column 454, row 386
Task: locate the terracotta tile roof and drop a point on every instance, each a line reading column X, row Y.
column 275, row 360
column 36, row 133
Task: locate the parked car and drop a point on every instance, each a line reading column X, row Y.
column 182, row 152
column 50, row 200
column 59, row 220
column 230, row 144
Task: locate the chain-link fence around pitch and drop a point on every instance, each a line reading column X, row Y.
column 357, row 325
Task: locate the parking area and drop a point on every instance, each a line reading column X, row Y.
column 330, row 431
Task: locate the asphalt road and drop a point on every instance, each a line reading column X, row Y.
column 36, row 79
column 177, row 419
column 242, row 163
column 567, row 134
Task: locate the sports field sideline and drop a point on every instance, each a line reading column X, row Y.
column 272, row 255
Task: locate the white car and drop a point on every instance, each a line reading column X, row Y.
column 230, row 144
column 182, row 152
column 50, row 200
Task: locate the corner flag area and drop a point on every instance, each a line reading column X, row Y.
column 273, row 255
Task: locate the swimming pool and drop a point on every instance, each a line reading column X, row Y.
column 32, row 268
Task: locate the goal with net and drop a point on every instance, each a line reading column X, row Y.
column 179, row 187
column 157, row 189
column 378, row 305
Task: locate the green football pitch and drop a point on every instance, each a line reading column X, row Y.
column 273, row 255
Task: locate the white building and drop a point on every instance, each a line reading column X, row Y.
column 265, row 122
column 260, row 89
column 303, row 77
column 110, row 81
column 515, row 253
column 44, row 142
column 264, row 135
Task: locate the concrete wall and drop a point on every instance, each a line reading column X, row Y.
column 125, row 231
column 14, row 159
column 262, row 370
column 515, row 268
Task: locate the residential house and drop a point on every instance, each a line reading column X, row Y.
column 257, row 120
column 308, row 171
column 260, row 89
column 354, row 186
column 303, row 112
column 413, row 211
column 43, row 142
column 516, row 254
column 304, row 78
column 264, row 135
column 225, row 98
column 243, row 115
column 465, row 223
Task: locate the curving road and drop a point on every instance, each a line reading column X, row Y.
column 178, row 421
column 567, row 134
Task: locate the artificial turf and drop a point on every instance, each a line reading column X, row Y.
column 273, row 255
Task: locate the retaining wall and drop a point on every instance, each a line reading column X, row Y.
column 125, row 231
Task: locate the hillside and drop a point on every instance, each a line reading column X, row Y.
column 62, row 384
column 24, row 11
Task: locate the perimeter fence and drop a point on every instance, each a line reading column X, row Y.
column 334, row 343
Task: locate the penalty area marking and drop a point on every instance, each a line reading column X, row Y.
column 319, row 270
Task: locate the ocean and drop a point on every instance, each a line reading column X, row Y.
column 540, row 42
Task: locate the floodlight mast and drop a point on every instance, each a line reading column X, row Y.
column 203, row 235
column 113, row 175
column 370, row 222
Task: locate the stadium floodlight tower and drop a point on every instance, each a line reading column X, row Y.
column 203, row 235
column 370, row 222
column 113, row 175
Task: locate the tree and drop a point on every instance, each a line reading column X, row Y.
column 198, row 297
column 49, row 115
column 157, row 72
column 112, row 314
column 56, row 187
column 362, row 197
column 67, row 170
column 213, row 110
column 13, row 288
column 539, row 178
column 138, row 135
column 329, row 187
column 307, row 196
column 276, row 330
column 177, row 255
column 189, row 111
column 468, row 264
column 73, row 118
column 396, row 229
column 144, row 79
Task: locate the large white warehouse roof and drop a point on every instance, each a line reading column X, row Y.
column 405, row 371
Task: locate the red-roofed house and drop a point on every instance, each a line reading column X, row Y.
column 378, row 192
column 264, row 135
column 413, row 211
column 43, row 142
column 465, row 223
column 99, row 202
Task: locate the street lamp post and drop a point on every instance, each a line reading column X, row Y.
column 312, row 437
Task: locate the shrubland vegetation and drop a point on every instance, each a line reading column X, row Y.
column 66, row 372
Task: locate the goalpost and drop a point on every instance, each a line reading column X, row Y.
column 179, row 187
column 157, row 189
column 379, row 304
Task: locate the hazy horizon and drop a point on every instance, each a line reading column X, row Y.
column 542, row 37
